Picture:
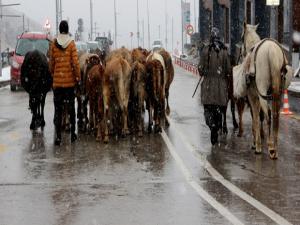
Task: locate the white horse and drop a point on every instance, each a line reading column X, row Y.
column 268, row 67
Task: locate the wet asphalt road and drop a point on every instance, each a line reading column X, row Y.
column 173, row 178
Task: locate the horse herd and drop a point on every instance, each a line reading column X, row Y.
column 113, row 94
column 119, row 87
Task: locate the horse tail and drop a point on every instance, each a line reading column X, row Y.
column 277, row 85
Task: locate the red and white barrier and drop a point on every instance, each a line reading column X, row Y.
column 189, row 67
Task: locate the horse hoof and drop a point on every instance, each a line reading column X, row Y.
column 273, row 154
column 149, row 129
column 168, row 111
column 167, row 124
column 98, row 138
column 140, row 134
column 106, row 140
column 257, row 152
column 253, row 147
column 235, row 126
column 240, row 135
column 43, row 123
column 225, row 131
column 157, row 129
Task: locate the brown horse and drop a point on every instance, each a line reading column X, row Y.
column 121, row 52
column 155, row 94
column 116, row 83
column 170, row 75
column 95, row 96
column 137, row 97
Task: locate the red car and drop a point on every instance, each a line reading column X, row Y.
column 26, row 42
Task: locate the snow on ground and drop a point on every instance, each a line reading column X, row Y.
column 5, row 74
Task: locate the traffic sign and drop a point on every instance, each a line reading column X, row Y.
column 190, row 29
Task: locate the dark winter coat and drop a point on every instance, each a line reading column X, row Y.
column 35, row 74
column 215, row 67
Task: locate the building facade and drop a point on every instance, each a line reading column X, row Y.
column 229, row 15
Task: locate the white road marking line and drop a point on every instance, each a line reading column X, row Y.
column 230, row 186
column 203, row 194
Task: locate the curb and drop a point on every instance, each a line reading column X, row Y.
column 4, row 83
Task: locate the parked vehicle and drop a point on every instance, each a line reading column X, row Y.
column 26, row 42
column 157, row 45
column 81, row 46
column 92, row 46
column 104, row 44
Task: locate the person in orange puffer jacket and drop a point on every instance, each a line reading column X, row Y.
column 64, row 67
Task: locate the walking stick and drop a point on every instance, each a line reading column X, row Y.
column 197, row 86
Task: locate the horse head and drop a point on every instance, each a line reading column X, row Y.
column 249, row 36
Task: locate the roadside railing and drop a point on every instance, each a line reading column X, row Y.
column 188, row 66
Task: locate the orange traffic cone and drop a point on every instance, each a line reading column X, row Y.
column 286, row 105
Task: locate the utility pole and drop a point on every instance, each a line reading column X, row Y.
column 195, row 15
column 143, row 26
column 166, row 14
column 58, row 14
column 23, row 22
column 172, row 35
column 159, row 32
column 116, row 35
column 148, row 25
column 1, row 12
column 91, row 18
column 138, row 24
column 182, row 27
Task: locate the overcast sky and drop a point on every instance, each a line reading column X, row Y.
column 40, row 10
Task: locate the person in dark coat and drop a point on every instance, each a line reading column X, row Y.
column 215, row 68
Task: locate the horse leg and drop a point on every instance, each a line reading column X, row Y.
column 140, row 117
column 106, row 104
column 241, row 106
column 43, row 123
column 91, row 115
column 167, row 100
column 150, row 121
column 156, row 118
column 255, row 106
column 232, row 106
column 275, row 109
column 224, row 120
column 164, row 113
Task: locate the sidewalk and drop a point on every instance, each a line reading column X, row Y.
column 5, row 78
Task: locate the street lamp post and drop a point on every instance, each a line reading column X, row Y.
column 115, row 14
column 148, row 25
column 91, row 18
column 138, row 23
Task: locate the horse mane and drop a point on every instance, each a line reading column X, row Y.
column 251, row 37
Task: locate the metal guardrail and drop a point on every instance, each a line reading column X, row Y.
column 188, row 66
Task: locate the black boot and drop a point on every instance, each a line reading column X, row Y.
column 57, row 141
column 73, row 137
column 214, row 136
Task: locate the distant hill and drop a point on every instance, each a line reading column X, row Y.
column 13, row 26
